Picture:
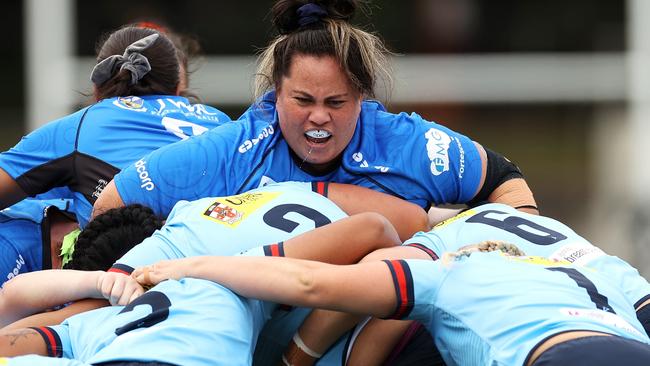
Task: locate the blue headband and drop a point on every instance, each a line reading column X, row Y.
column 310, row 13
column 132, row 60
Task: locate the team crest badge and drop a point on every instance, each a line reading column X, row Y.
column 131, row 103
column 223, row 213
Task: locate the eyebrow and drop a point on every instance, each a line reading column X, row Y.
column 304, row 93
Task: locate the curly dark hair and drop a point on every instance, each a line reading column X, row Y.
column 110, row 235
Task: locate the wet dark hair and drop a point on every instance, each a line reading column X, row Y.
column 163, row 56
column 361, row 55
column 110, row 235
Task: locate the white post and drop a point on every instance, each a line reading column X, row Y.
column 634, row 159
column 49, row 60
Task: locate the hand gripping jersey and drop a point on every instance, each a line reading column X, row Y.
column 189, row 322
column 25, row 236
column 84, row 150
column 233, row 224
column 399, row 154
column 535, row 235
column 491, row 309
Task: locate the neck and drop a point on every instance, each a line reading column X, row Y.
column 316, row 170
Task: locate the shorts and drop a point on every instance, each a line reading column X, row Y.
column 596, row 351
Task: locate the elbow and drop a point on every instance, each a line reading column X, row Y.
column 382, row 231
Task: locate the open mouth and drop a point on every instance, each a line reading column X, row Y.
column 318, row 136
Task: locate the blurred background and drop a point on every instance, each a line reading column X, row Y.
column 560, row 87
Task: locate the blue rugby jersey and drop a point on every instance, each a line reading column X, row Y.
column 399, row 154
column 25, row 236
column 84, row 150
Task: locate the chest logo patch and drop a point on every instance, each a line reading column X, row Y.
column 233, row 210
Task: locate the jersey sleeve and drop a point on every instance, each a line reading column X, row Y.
column 57, row 340
column 198, row 167
column 416, row 284
column 42, row 159
column 447, row 162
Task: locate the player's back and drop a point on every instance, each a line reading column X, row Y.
column 83, row 151
column 186, row 322
column 230, row 225
column 535, row 235
column 500, row 307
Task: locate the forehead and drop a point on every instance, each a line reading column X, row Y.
column 322, row 73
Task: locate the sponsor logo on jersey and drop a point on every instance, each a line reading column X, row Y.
column 224, row 213
column 579, row 253
column 20, row 262
column 248, row 144
column 461, row 160
column 131, row 103
column 601, row 316
column 182, row 107
column 233, row 210
column 358, row 157
column 438, row 150
column 541, row 261
column 461, row 215
column 101, row 184
column 146, row 182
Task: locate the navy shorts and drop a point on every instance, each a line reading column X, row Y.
column 596, row 351
column 134, row 363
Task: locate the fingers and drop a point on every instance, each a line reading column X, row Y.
column 118, row 288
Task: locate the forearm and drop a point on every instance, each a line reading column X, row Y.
column 406, row 217
column 34, row 292
column 282, row 281
column 345, row 241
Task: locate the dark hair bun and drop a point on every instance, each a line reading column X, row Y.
column 285, row 12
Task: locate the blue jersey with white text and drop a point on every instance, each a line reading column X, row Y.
column 400, row 154
column 500, row 307
column 535, row 235
column 25, row 236
column 190, row 322
column 84, row 150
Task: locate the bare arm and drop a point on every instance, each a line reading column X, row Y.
column 323, row 327
column 34, row 292
column 20, row 342
column 365, row 288
column 10, row 191
column 57, row 316
column 109, row 198
column 406, row 217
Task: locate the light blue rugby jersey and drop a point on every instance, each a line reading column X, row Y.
column 230, row 225
column 399, row 154
column 189, row 322
column 25, row 236
column 500, row 307
column 84, row 150
column 535, row 235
